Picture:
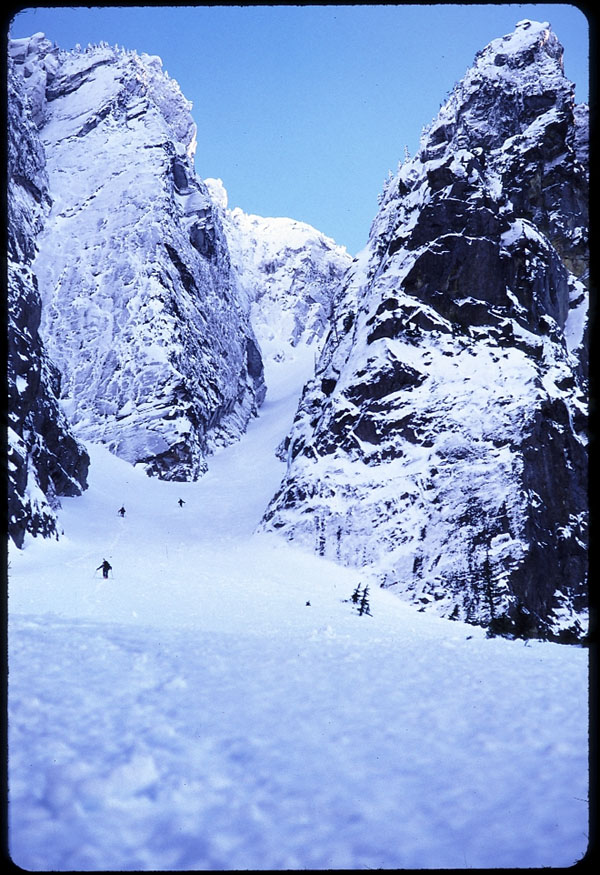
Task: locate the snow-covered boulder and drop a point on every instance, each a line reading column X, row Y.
column 44, row 460
column 141, row 311
column 441, row 444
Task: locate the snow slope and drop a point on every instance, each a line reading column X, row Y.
column 194, row 712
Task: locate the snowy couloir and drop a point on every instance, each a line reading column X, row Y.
column 146, row 313
column 441, row 444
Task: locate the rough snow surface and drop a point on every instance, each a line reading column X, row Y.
column 193, row 712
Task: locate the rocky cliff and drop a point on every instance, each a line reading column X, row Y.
column 44, row 460
column 441, row 444
column 141, row 311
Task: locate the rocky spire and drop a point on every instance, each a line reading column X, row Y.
column 442, row 442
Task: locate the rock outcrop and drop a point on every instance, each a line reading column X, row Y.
column 44, row 459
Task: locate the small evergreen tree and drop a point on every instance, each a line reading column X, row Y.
column 320, row 535
column 360, row 600
column 355, row 597
column 364, row 603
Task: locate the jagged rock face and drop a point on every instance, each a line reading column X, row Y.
column 45, row 461
column 442, row 443
column 289, row 273
column 141, row 311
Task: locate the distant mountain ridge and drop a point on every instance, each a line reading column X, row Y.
column 288, row 271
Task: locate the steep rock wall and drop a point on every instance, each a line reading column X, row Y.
column 44, row 460
column 441, row 444
column 141, row 312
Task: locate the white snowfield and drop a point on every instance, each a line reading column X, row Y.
column 217, row 703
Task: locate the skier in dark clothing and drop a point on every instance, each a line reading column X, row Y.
column 106, row 567
column 181, row 502
column 121, row 511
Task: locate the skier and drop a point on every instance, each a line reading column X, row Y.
column 106, row 567
column 181, row 502
column 121, row 511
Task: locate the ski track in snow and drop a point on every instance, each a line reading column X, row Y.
column 194, row 712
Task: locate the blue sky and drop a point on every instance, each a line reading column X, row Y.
column 303, row 110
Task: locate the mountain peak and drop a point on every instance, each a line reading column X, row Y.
column 510, row 84
column 430, row 447
column 531, row 50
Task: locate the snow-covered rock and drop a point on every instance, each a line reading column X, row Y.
column 44, row 460
column 288, row 271
column 442, row 441
column 141, row 310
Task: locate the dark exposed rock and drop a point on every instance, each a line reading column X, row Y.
column 45, row 460
column 393, row 378
column 460, row 397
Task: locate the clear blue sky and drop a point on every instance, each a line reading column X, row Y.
column 303, row 110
